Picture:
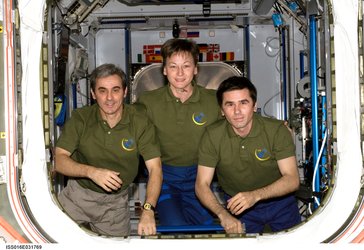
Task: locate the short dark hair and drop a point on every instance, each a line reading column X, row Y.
column 176, row 45
column 236, row 83
column 104, row 70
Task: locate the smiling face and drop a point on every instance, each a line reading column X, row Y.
column 238, row 108
column 109, row 95
column 180, row 70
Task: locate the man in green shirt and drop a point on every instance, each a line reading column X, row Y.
column 99, row 150
column 180, row 112
column 255, row 162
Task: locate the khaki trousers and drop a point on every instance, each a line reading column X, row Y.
column 106, row 214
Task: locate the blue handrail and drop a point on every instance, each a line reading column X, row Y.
column 314, row 105
column 192, row 228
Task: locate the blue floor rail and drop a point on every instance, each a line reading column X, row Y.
column 194, row 228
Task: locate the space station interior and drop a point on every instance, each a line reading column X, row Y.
column 283, row 46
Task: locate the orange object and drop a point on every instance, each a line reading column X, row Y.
column 11, row 231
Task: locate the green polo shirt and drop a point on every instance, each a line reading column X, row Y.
column 179, row 126
column 245, row 164
column 91, row 141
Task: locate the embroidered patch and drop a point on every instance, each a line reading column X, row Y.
column 128, row 144
column 262, row 154
column 199, row 119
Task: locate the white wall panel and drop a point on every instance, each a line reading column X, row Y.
column 264, row 68
column 110, row 47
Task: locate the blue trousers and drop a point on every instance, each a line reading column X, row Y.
column 178, row 204
column 279, row 213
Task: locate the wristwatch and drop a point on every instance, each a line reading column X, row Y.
column 148, row 206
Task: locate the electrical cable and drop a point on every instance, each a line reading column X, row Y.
column 265, row 104
column 269, row 44
column 316, row 167
column 59, row 8
column 319, row 6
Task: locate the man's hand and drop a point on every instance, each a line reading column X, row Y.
column 240, row 202
column 107, row 179
column 147, row 224
column 231, row 224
